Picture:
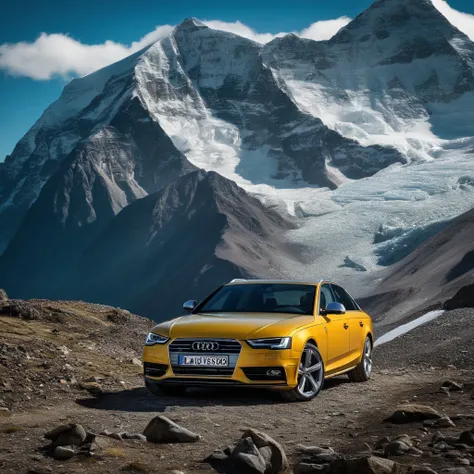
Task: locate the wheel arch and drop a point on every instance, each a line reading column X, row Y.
column 371, row 337
column 312, row 341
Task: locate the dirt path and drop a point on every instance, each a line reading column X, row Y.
column 345, row 416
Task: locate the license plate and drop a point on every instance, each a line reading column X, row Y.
column 204, row 361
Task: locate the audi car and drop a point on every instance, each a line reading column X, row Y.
column 281, row 335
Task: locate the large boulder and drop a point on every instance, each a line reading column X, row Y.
column 163, row 430
column 278, row 460
column 247, row 458
column 254, row 453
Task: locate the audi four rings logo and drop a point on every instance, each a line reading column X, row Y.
column 205, row 346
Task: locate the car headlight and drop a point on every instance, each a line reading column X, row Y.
column 270, row 343
column 153, row 339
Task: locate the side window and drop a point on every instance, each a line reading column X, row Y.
column 326, row 296
column 344, row 298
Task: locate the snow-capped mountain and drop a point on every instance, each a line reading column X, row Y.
column 367, row 140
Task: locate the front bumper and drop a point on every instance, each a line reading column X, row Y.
column 277, row 369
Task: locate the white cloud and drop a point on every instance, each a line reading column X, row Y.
column 462, row 21
column 323, row 30
column 60, row 55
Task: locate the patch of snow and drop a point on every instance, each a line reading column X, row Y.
column 404, row 328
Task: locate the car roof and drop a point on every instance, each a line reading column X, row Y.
column 243, row 281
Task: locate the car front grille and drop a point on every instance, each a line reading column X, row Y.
column 226, row 347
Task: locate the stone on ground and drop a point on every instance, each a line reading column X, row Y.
column 163, row 430
column 411, row 413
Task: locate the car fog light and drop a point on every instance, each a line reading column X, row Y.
column 274, row 373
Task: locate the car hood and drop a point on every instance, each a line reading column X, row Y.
column 233, row 325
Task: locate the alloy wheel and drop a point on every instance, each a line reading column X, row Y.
column 310, row 373
column 368, row 357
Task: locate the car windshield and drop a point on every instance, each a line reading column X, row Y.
column 261, row 298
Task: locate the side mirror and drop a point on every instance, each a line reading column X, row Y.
column 335, row 308
column 190, row 305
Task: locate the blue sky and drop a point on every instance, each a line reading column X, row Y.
column 33, row 72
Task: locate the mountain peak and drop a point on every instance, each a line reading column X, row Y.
column 406, row 17
column 190, row 24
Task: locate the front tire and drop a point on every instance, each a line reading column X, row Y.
column 363, row 371
column 310, row 376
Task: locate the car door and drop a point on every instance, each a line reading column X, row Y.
column 356, row 322
column 337, row 331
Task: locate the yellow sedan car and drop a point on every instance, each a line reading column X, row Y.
column 281, row 335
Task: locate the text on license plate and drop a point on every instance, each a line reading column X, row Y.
column 211, row 361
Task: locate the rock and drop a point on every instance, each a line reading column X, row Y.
column 464, row 462
column 375, row 465
column 65, row 435
column 412, row 413
column 438, row 436
column 3, row 295
column 61, row 453
column 441, row 447
column 219, row 460
column 247, row 458
column 64, row 350
column 254, row 453
column 365, row 465
column 443, row 422
column 163, row 430
column 467, row 437
column 279, row 462
column 397, row 448
column 113, row 435
column 54, row 433
column 94, row 379
column 445, row 390
column 453, row 386
column 93, row 388
column 137, row 361
column 455, row 470
column 381, row 443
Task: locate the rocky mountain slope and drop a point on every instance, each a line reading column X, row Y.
column 181, row 243
column 364, row 140
column 190, row 237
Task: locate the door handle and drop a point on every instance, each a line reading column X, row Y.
column 361, row 324
column 346, row 326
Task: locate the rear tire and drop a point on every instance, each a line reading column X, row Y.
column 310, row 376
column 159, row 390
column 363, row 371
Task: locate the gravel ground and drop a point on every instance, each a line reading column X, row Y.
column 446, row 341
